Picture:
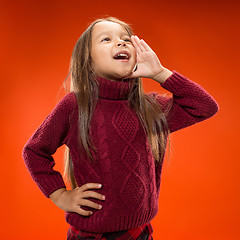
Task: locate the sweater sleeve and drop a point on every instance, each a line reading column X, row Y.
column 50, row 135
column 189, row 104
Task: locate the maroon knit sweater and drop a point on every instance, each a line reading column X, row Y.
column 124, row 163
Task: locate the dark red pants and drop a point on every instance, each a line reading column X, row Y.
column 143, row 232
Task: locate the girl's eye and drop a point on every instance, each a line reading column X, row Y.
column 106, row 39
column 127, row 40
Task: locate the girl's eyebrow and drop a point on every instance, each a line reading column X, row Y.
column 103, row 33
column 107, row 32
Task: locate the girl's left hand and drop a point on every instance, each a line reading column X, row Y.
column 148, row 64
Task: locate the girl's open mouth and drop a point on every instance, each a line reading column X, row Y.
column 122, row 56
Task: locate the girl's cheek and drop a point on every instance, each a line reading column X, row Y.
column 135, row 52
column 135, row 56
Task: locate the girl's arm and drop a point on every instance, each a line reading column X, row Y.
column 189, row 104
column 37, row 154
column 50, row 135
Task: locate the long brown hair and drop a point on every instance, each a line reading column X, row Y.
column 85, row 86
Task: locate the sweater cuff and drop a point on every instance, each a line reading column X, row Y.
column 174, row 82
column 50, row 184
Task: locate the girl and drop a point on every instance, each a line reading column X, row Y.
column 116, row 135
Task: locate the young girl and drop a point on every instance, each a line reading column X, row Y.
column 116, row 135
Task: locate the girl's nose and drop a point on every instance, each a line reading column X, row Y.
column 121, row 43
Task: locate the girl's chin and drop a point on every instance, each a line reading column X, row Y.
column 125, row 74
column 119, row 75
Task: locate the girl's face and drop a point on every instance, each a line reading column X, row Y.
column 113, row 54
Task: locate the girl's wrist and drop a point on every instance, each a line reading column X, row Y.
column 55, row 195
column 162, row 76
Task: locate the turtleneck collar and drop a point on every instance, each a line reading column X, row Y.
column 117, row 90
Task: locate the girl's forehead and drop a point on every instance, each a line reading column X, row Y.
column 107, row 27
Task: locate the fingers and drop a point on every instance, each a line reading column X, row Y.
column 82, row 212
column 89, row 185
column 92, row 194
column 140, row 45
column 82, row 194
column 84, row 202
column 88, row 203
column 137, row 44
column 145, row 45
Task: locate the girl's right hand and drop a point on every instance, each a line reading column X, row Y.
column 72, row 200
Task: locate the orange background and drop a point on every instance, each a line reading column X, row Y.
column 199, row 196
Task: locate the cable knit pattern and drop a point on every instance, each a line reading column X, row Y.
column 127, row 125
column 104, row 154
column 124, row 162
